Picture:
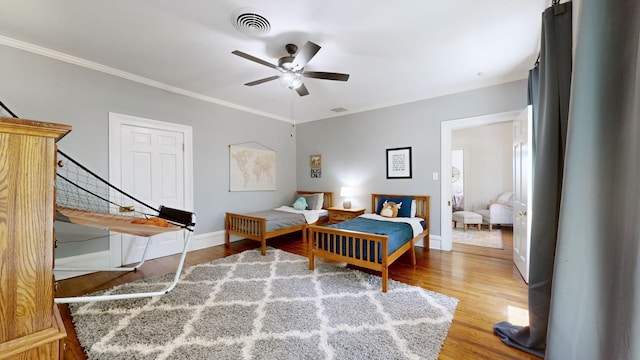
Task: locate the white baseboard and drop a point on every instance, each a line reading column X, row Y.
column 101, row 259
column 98, row 259
column 216, row 238
column 435, row 242
column 202, row 241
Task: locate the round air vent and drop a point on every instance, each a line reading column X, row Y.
column 250, row 22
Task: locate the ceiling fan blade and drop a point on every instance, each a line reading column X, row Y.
column 305, row 54
column 253, row 58
column 262, row 80
column 326, row 75
column 302, row 90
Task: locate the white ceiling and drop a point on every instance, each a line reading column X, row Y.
column 395, row 51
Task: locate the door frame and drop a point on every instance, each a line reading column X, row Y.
column 116, row 121
column 446, row 127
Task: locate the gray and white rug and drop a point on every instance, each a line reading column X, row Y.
column 248, row 306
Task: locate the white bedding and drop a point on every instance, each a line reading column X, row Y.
column 415, row 222
column 311, row 216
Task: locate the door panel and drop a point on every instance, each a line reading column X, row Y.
column 152, row 166
column 522, row 165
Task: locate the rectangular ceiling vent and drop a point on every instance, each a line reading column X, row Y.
column 339, row 110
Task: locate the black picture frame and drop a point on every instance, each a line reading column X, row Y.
column 399, row 163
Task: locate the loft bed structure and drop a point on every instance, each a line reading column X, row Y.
column 84, row 198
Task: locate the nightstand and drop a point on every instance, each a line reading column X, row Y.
column 338, row 214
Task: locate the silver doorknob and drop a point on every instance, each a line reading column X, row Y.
column 522, row 213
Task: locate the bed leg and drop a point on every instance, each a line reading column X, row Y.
column 227, row 242
column 385, row 279
column 263, row 247
column 312, row 260
column 413, row 255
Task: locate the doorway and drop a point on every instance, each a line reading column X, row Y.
column 152, row 160
column 447, row 127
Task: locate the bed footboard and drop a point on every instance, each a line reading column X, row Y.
column 250, row 227
column 365, row 250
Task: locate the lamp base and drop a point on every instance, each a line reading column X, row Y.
column 346, row 204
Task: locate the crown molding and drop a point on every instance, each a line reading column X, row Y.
column 129, row 76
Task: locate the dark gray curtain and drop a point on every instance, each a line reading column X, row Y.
column 551, row 113
column 595, row 303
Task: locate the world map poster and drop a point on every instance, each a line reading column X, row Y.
column 251, row 169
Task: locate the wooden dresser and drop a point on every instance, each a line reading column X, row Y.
column 30, row 324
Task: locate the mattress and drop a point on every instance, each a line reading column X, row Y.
column 277, row 220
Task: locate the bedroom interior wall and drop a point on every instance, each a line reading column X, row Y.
column 353, row 147
column 488, row 161
column 40, row 88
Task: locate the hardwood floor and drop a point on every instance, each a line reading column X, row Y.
column 487, row 284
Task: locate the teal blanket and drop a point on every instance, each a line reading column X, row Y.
column 399, row 233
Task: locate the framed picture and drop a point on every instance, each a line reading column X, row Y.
column 316, row 161
column 399, row 163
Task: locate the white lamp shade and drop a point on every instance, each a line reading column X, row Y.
column 346, row 191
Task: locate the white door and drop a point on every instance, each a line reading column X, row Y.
column 522, row 175
column 152, row 171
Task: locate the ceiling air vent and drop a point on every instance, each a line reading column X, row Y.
column 250, row 22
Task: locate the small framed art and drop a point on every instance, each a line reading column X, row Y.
column 399, row 163
column 315, row 161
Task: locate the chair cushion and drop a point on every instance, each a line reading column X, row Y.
column 484, row 214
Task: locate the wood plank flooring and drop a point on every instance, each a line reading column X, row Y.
column 486, row 282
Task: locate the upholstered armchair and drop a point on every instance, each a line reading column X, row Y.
column 496, row 212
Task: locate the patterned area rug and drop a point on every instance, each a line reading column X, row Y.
column 474, row 237
column 248, row 306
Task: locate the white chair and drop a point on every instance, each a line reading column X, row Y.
column 498, row 212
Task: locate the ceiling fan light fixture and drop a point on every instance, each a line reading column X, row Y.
column 291, row 80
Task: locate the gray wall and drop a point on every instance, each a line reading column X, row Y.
column 40, row 88
column 353, row 147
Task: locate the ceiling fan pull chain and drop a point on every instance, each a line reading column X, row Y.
column 293, row 124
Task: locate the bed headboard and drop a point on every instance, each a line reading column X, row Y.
column 328, row 197
column 422, row 204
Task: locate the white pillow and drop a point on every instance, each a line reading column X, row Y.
column 314, row 201
column 505, row 197
column 413, row 208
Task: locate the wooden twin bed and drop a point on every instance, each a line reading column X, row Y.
column 254, row 227
column 364, row 249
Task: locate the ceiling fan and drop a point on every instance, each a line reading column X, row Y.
column 292, row 66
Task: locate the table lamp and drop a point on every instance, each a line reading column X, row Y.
column 346, row 192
